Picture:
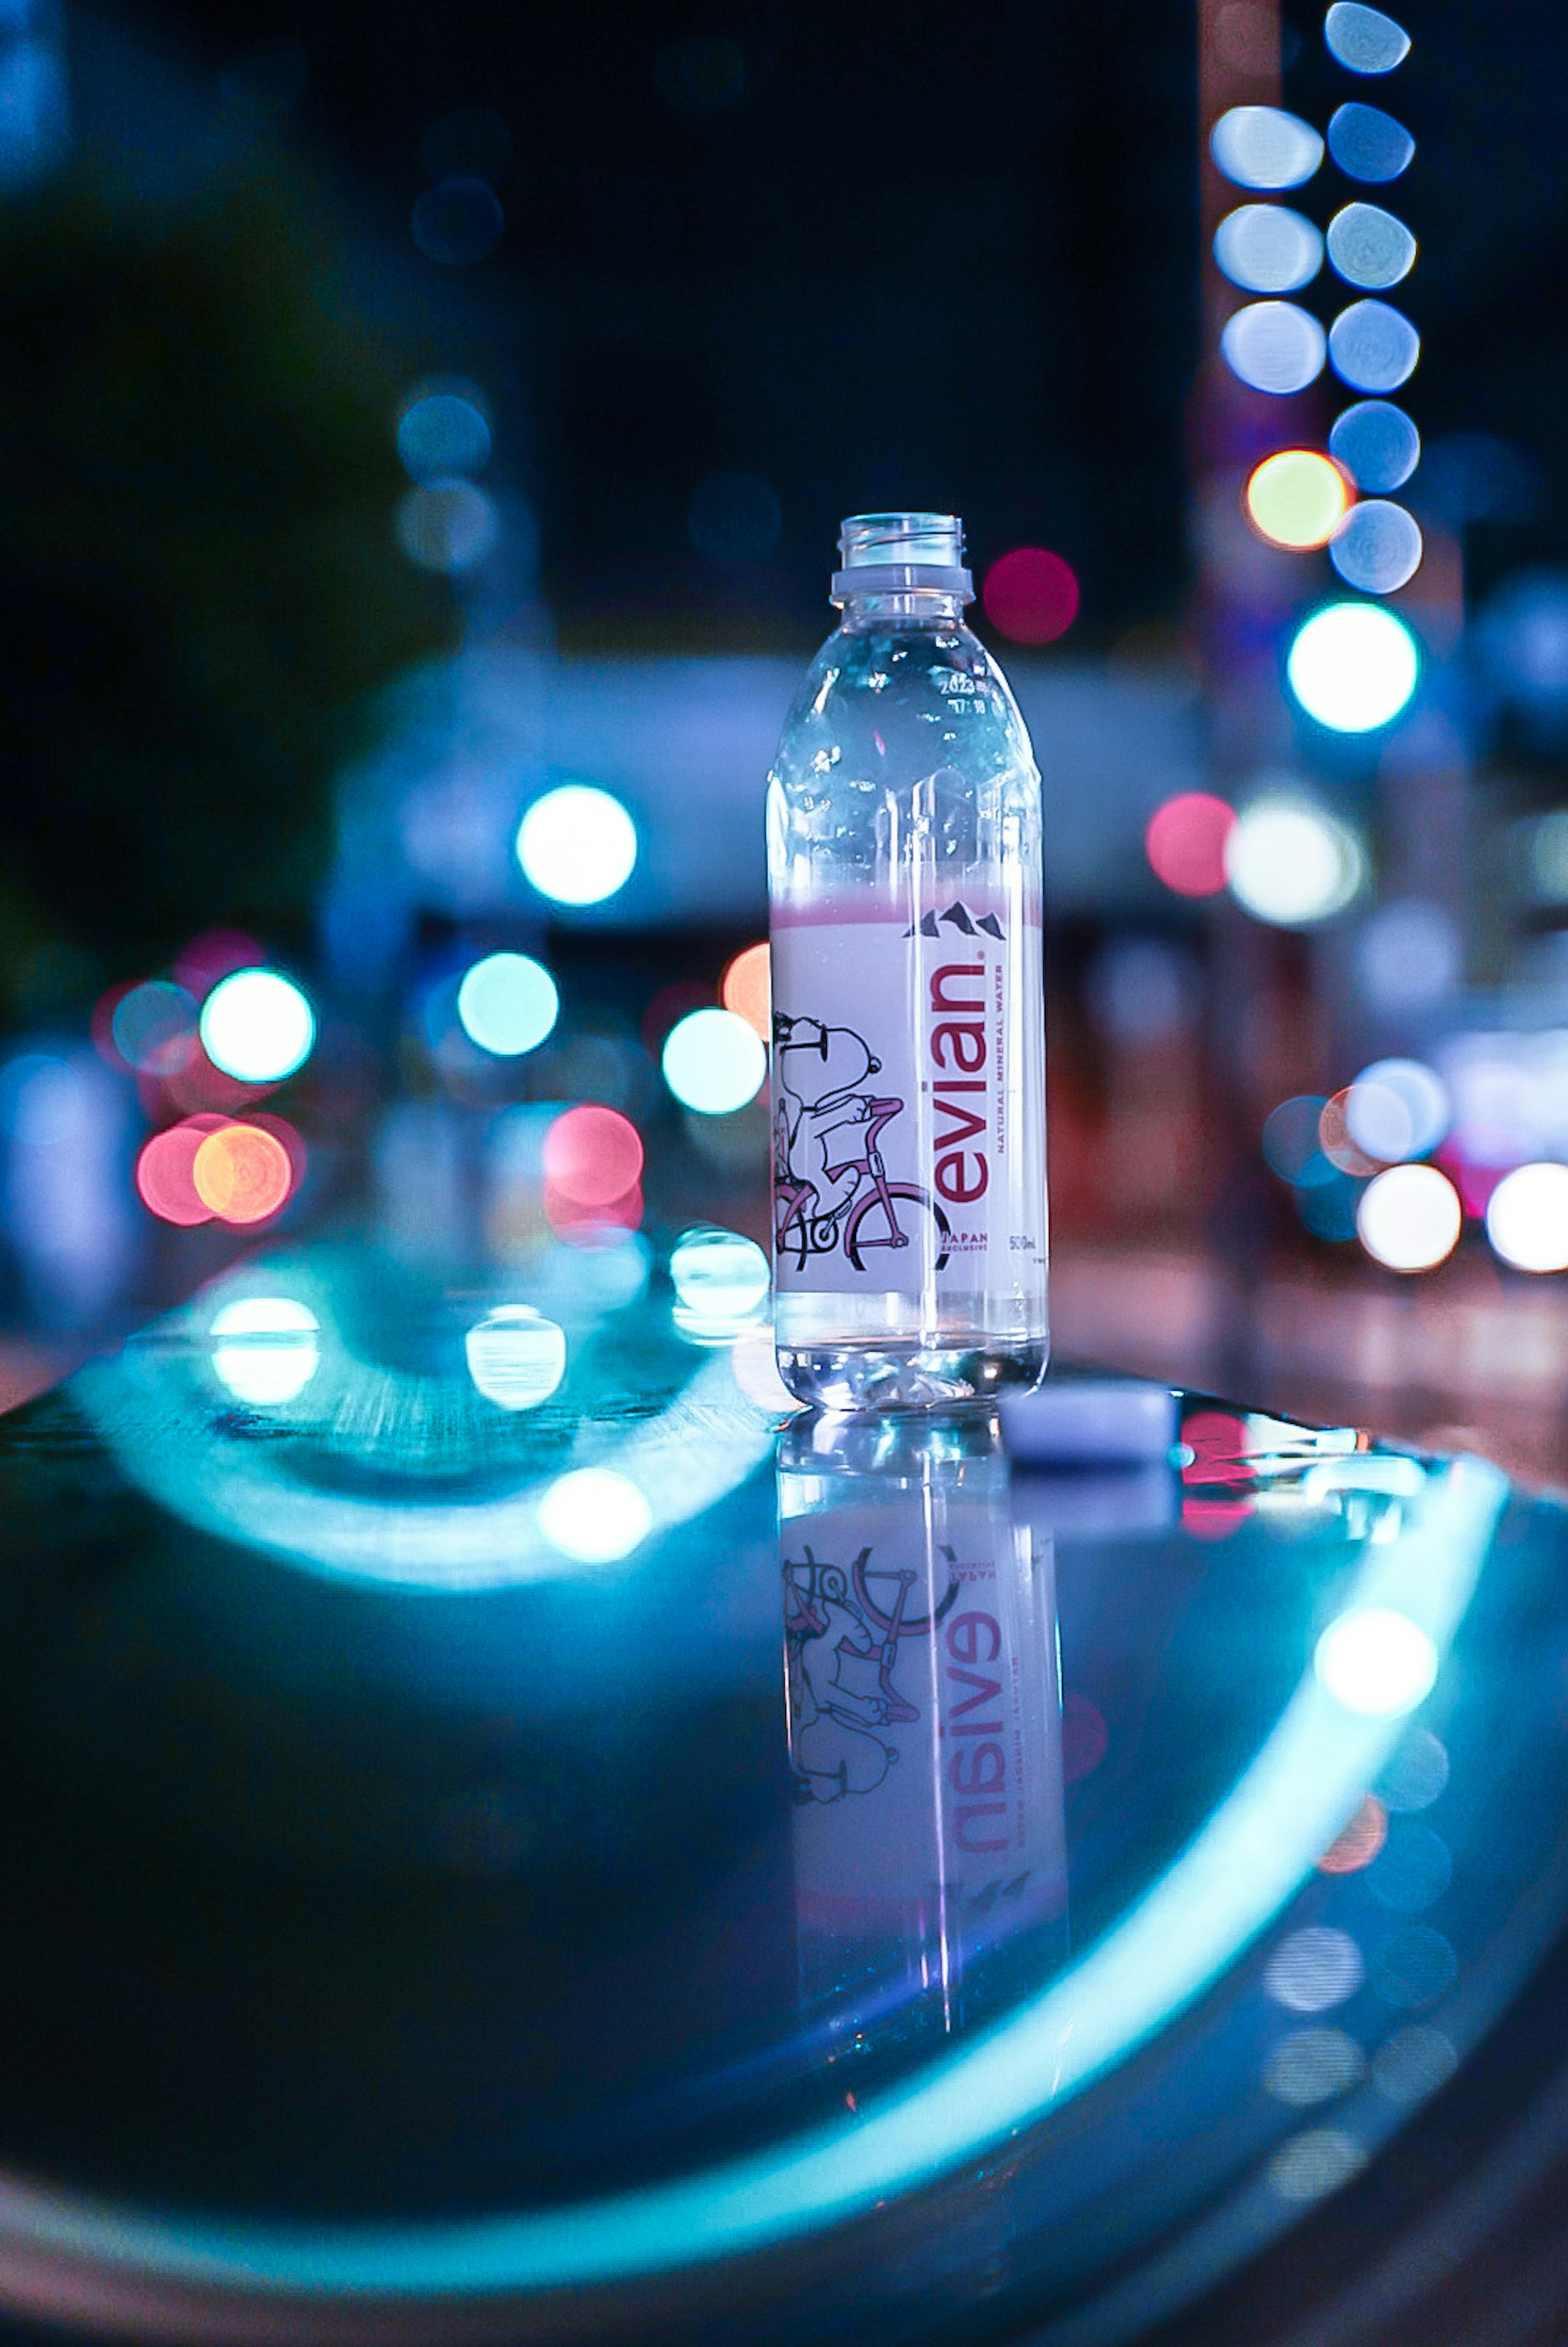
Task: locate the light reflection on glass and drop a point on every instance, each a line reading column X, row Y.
column 1314, row 1969
column 1367, row 144
column 1377, row 547
column 595, row 1515
column 1313, row 2066
column 1377, row 1662
column 1363, row 39
column 1369, row 247
column 264, row 1348
column 1273, row 346
column 516, row 1357
column 1269, row 249
column 1264, row 147
column 721, row 1281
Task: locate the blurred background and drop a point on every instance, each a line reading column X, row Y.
column 425, row 434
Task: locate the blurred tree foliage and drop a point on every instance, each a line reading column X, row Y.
column 200, row 585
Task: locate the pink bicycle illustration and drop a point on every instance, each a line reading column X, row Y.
column 872, row 1214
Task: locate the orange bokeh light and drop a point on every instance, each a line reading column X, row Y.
column 1334, row 1138
column 241, row 1174
column 1359, row 1842
column 747, row 989
column 593, row 1157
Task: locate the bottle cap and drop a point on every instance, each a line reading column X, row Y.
column 899, row 553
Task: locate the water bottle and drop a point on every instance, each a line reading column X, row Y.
column 909, row 1054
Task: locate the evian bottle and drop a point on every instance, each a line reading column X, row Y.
column 909, row 1056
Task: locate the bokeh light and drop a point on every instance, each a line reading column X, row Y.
column 747, row 989
column 516, row 1357
column 1290, row 1143
column 1353, row 667
column 1292, row 864
column 1267, row 249
column 1273, row 346
column 154, row 1028
column 1377, row 1662
column 447, row 525
column 1377, row 444
column 258, row 1026
column 458, row 222
column 1377, row 548
column 595, row 1515
column 1408, row 955
column 1030, row 596
column 507, row 1004
column 1373, row 346
column 164, row 1172
column 1359, row 1843
column 443, row 433
column 1313, row 2066
column 1316, row 2163
column 1369, row 247
column 1314, row 1969
column 213, row 955
column 1413, row 1872
column 1185, row 841
column 264, row 1348
column 1363, row 39
column 1264, row 147
column 1397, row 1109
column 241, row 1174
column 1367, row 144
column 713, row 1062
column 1415, row 1774
column 1408, row 1219
column 1335, row 1141
column 1296, row 498
column 720, row 1279
column 1413, row 2064
column 1527, row 1218
column 593, row 1156
column 577, row 845
column 1414, row 1966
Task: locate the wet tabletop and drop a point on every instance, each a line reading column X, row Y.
column 504, row 1825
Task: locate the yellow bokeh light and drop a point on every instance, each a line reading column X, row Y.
column 1298, row 498
column 746, row 989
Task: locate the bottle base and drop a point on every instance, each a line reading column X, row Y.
column 892, row 1377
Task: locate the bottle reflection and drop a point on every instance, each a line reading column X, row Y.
column 924, row 1722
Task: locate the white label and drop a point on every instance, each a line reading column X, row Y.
column 908, row 1118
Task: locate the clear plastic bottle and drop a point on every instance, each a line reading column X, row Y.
column 909, row 1056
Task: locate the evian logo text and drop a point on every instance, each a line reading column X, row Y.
column 959, row 1083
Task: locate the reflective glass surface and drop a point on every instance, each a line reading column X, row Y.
column 504, row 1826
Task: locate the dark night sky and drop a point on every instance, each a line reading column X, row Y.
column 934, row 254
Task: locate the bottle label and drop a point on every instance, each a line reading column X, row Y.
column 907, row 1118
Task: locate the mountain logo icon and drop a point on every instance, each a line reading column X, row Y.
column 958, row 917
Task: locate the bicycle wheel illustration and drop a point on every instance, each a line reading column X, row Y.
column 881, row 1610
column 876, row 1223
column 793, row 1237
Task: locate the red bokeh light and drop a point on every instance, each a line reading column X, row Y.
column 582, row 1225
column 214, row 955
column 593, row 1158
column 1030, row 596
column 165, row 1176
column 1184, row 843
column 1360, row 1840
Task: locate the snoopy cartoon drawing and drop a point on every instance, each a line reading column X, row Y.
column 819, row 1139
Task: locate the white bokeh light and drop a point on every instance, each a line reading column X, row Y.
column 720, row 1279
column 516, row 1357
column 1265, row 147
column 1353, row 667
column 1268, row 248
column 595, row 1515
column 1273, row 346
column 1377, row 1662
column 258, row 1026
column 714, row 1061
column 507, row 1004
column 577, row 845
column 1397, row 1109
column 264, row 1348
column 1410, row 1218
column 1527, row 1218
column 1292, row 864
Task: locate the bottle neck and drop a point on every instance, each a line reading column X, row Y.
column 921, row 606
